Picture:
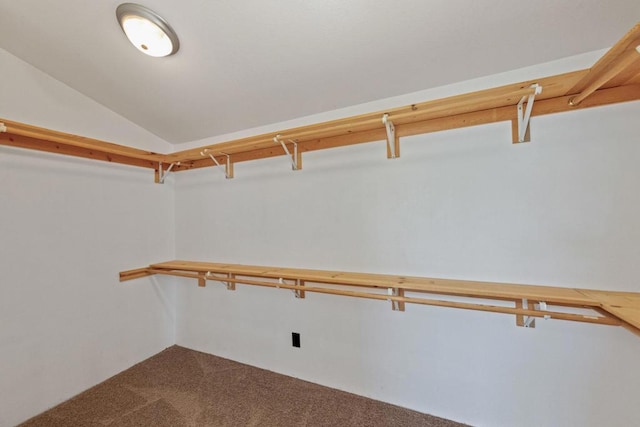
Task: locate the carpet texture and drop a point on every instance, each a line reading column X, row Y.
column 181, row 387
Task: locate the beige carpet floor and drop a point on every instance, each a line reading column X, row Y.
column 182, row 387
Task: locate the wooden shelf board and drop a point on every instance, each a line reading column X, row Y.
column 617, row 308
column 614, row 56
column 624, row 305
column 423, row 284
column 93, row 149
column 540, row 108
column 614, row 78
column 484, row 100
column 21, row 141
column 80, row 142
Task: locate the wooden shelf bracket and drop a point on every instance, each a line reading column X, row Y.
column 228, row 168
column 295, row 156
column 393, row 140
column 524, row 114
column 619, row 65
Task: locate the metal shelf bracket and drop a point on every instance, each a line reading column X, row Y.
column 228, row 168
column 296, row 288
column 231, row 286
column 524, row 113
column 295, row 157
column 530, row 321
column 163, row 175
column 393, row 141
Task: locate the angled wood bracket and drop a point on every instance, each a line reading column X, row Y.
column 135, row 274
column 620, row 65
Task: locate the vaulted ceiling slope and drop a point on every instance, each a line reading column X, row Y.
column 250, row 63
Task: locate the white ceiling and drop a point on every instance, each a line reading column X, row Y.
column 245, row 63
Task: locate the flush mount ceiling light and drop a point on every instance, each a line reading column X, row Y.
column 146, row 30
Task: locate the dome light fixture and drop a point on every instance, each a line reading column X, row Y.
column 147, row 31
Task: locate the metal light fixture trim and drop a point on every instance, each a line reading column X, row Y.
column 146, row 30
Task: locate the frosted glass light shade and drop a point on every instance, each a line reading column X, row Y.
column 146, row 30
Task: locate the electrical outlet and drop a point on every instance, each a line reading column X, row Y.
column 295, row 339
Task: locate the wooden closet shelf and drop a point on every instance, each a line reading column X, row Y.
column 528, row 301
column 613, row 79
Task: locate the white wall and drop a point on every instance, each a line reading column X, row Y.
column 563, row 210
column 67, row 227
